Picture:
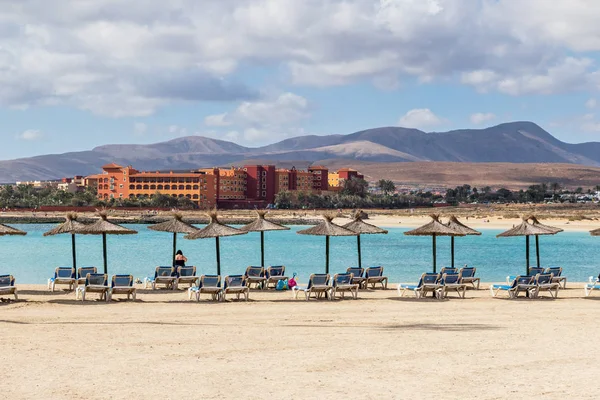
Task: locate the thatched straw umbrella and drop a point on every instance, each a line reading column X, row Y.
column 535, row 222
column 215, row 229
column 262, row 225
column 434, row 228
column 175, row 225
column 6, row 230
column 458, row 226
column 327, row 229
column 104, row 227
column 526, row 229
column 71, row 226
column 360, row 227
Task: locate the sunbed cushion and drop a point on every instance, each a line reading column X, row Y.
column 95, row 279
column 210, row 281
column 83, row 271
column 122, row 281
column 64, row 273
column 186, row 271
column 235, row 281
column 255, row 272
column 6, row 280
column 276, row 270
column 374, row 272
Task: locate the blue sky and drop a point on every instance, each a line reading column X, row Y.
column 260, row 71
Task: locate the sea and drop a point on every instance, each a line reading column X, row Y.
column 33, row 258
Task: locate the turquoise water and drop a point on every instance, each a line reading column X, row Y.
column 32, row 258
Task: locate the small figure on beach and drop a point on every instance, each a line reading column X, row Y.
column 180, row 259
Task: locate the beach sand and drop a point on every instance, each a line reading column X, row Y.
column 379, row 346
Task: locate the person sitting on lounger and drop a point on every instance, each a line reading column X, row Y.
column 180, row 259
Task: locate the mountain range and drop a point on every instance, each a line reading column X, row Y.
column 514, row 142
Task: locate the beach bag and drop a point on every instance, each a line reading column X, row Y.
column 281, row 285
column 292, row 282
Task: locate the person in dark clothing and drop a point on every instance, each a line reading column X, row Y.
column 180, row 259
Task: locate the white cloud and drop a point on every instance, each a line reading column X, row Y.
column 420, row 118
column 265, row 120
column 116, row 61
column 591, row 103
column 217, row 120
column 30, row 135
column 479, row 118
column 139, row 128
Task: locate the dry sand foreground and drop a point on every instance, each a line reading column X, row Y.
column 380, row 346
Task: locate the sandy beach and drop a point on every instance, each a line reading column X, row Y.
column 379, row 346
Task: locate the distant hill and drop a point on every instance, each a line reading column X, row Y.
column 515, row 142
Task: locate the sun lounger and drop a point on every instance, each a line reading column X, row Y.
column 343, row 283
column 593, row 284
column 235, row 284
column 545, row 282
column 428, row 283
column 82, row 274
column 374, row 275
column 318, row 285
column 94, row 283
column 256, row 276
column 209, row 284
column 451, row 282
column 557, row 276
column 121, row 284
column 357, row 275
column 468, row 276
column 62, row 276
column 186, row 276
column 274, row 274
column 7, row 285
column 518, row 284
column 162, row 276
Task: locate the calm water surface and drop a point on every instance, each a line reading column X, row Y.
column 32, row 258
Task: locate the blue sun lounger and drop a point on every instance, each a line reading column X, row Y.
column 451, row 282
column 429, row 282
column 94, row 283
column 468, row 276
column 162, row 276
column 518, row 284
column 557, row 276
column 343, row 283
column 256, row 275
column 235, row 284
column 122, row 284
column 357, row 275
column 7, row 285
column 545, row 282
column 318, row 285
column 209, row 284
column 62, row 276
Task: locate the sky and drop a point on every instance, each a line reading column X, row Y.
column 79, row 74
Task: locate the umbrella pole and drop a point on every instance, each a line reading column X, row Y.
column 218, row 256
column 537, row 249
column 434, row 255
column 174, row 246
column 74, row 252
column 527, row 253
column 326, row 254
column 452, row 249
column 262, row 249
column 359, row 256
column 104, row 253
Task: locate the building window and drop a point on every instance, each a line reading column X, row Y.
column 121, row 186
column 264, row 186
column 264, row 194
column 120, row 194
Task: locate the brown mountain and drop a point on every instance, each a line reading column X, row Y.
column 516, row 142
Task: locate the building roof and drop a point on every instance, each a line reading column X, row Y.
column 318, row 167
column 112, row 166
